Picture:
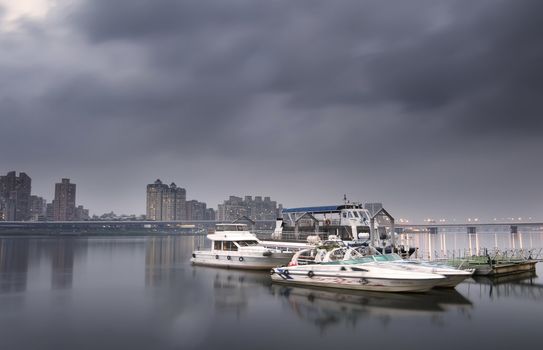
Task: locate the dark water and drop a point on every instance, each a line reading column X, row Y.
column 142, row 293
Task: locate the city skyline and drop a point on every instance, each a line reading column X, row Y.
column 430, row 107
column 36, row 207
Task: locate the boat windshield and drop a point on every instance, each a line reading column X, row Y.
column 392, row 257
column 247, row 243
column 363, row 216
column 232, row 227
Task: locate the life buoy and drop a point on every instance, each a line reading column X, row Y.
column 327, row 222
column 228, row 257
column 310, row 274
column 241, row 258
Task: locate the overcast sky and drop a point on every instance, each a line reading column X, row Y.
column 432, row 107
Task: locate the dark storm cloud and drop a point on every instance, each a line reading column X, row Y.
column 389, row 92
column 426, row 55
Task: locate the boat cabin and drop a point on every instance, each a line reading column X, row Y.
column 348, row 221
column 232, row 237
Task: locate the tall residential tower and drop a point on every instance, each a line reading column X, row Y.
column 64, row 202
column 15, row 197
column 166, row 203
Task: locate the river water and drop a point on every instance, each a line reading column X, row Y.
column 142, row 293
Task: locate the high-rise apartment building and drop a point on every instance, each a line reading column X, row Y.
column 166, row 203
column 49, row 212
column 255, row 209
column 196, row 210
column 15, row 196
column 38, row 207
column 64, row 202
column 210, row 214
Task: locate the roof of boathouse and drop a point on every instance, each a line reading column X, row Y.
column 323, row 209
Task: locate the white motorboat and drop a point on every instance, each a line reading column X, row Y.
column 371, row 277
column 233, row 246
column 453, row 276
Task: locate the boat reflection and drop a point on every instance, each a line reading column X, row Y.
column 326, row 308
column 234, row 290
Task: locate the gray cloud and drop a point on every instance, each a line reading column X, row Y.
column 425, row 106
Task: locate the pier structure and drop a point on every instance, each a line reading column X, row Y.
column 470, row 228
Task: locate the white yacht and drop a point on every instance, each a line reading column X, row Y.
column 233, row 246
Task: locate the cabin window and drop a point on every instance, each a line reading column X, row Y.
column 350, row 215
column 231, row 246
column 247, row 243
column 217, row 245
column 345, row 215
column 221, row 228
column 355, row 214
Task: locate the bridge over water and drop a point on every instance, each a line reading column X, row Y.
column 470, row 228
column 118, row 226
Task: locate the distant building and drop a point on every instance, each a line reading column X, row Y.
column 38, row 208
column 49, row 212
column 210, row 214
column 196, row 210
column 81, row 214
column 166, row 203
column 232, row 209
column 255, row 209
column 15, row 196
column 64, row 202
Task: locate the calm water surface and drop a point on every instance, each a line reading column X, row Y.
column 142, row 293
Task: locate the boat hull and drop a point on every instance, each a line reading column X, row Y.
column 355, row 282
column 453, row 277
column 240, row 261
column 452, row 281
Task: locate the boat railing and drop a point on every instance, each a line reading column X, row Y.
column 481, row 256
column 306, row 261
column 293, row 237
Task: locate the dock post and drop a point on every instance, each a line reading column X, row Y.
column 372, row 231
column 393, row 234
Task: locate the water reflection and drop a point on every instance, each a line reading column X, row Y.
column 142, row 293
column 522, row 286
column 233, row 289
column 326, row 308
column 164, row 254
column 14, row 263
column 62, row 263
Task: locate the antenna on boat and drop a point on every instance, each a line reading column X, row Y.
column 344, row 199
